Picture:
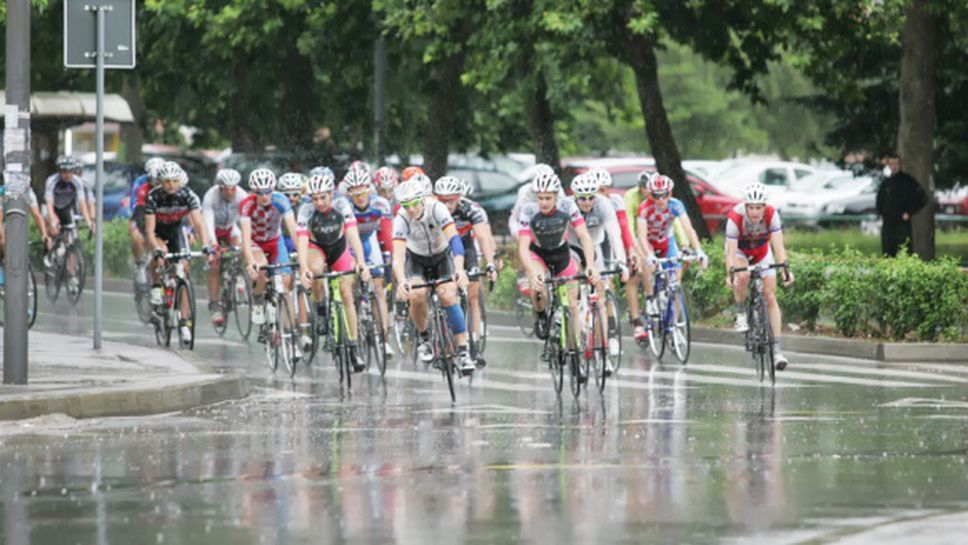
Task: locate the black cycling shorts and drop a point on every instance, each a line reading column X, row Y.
column 172, row 236
column 557, row 259
column 470, row 253
column 65, row 215
column 429, row 268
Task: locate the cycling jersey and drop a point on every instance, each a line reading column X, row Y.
column 466, row 216
column 221, row 216
column 266, row 220
column 424, row 235
column 659, row 223
column 602, row 222
column 374, row 218
column 753, row 238
column 549, row 231
column 136, row 186
column 66, row 196
column 326, row 231
column 618, row 203
column 525, row 196
column 170, row 209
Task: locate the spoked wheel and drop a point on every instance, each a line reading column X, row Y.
column 755, row 342
column 286, row 326
column 524, row 317
column 579, row 372
column 766, row 341
column 309, row 327
column 596, row 349
column 482, row 342
column 270, row 335
column 31, row 297
column 142, row 303
column 74, row 271
column 52, row 278
column 340, row 344
column 555, row 357
column 184, row 316
column 657, row 331
column 680, row 332
column 378, row 341
column 614, row 329
column 220, row 329
column 444, row 350
column 241, row 293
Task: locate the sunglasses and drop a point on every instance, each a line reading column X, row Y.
column 659, row 196
column 410, row 204
column 264, row 192
column 587, row 197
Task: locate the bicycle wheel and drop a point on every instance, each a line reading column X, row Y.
column 680, row 331
column 482, row 343
column 614, row 329
column 596, row 347
column 524, row 316
column 443, row 345
column 571, row 349
column 755, row 339
column 309, row 326
column 286, row 325
column 31, row 297
column 141, row 302
column 766, row 337
column 184, row 290
column 656, row 331
column 242, row 304
column 52, row 276
column 74, row 271
column 378, row 341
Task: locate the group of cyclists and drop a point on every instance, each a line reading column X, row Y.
column 419, row 234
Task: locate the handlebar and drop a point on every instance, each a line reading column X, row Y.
column 177, row 256
column 758, row 268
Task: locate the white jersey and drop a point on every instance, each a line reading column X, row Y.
column 219, row 213
column 602, row 221
column 424, row 235
column 525, row 196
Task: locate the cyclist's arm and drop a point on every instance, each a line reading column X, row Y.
column 208, row 212
column 623, row 223
column 150, row 231
column 614, row 233
column 456, row 246
column 245, row 225
column 488, row 247
column 399, row 260
column 732, row 244
column 289, row 218
column 779, row 248
column 643, row 231
column 198, row 223
column 690, row 233
column 587, row 246
column 39, row 220
column 524, row 253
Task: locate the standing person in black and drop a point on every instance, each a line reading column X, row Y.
column 899, row 197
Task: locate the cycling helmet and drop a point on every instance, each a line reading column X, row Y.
column 409, row 190
column 410, row 172
column 228, row 177
column 423, row 182
column 467, row 189
column 644, row 178
column 546, row 182
column 603, row 176
column 754, row 193
column 262, row 179
column 585, row 184
column 540, row 169
column 448, row 186
column 357, row 178
column 153, row 165
column 359, row 166
column 65, row 163
column 385, row 178
column 182, row 177
column 320, row 183
column 660, row 183
column 321, row 171
column 170, row 171
column 291, row 182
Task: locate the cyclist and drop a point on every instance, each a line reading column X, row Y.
column 34, row 211
column 656, row 232
column 473, row 227
column 754, row 234
column 358, row 170
column 165, row 209
column 261, row 216
column 63, row 194
column 426, row 247
column 220, row 208
column 603, row 227
column 525, row 196
column 90, row 191
column 543, row 247
column 136, row 204
column 293, row 186
column 385, row 179
column 413, row 171
column 374, row 224
column 325, row 226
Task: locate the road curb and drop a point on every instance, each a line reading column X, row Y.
column 829, row 346
column 172, row 395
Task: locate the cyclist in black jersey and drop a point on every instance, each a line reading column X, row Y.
column 63, row 195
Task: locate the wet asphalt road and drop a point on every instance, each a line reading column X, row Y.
column 839, row 450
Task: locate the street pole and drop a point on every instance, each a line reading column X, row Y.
column 99, row 181
column 16, row 155
column 379, row 99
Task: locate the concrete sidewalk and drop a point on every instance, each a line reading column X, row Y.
column 67, row 376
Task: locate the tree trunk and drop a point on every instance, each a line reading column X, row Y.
column 132, row 134
column 240, row 132
column 541, row 124
column 915, row 135
column 443, row 97
column 641, row 57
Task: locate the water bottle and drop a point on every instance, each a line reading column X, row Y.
column 270, row 313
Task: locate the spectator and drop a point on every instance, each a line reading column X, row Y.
column 899, row 197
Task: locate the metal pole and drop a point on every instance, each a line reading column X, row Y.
column 99, row 182
column 379, row 99
column 16, row 155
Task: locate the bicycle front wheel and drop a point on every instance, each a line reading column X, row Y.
column 242, row 304
column 444, row 351
column 614, row 329
column 74, row 273
column 378, row 342
column 31, row 298
column 286, row 325
column 184, row 312
column 680, row 331
column 524, row 316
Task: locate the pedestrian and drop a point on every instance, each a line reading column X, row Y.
column 899, row 197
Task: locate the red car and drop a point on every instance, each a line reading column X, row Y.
column 713, row 203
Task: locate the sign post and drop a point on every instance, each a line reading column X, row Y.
column 107, row 38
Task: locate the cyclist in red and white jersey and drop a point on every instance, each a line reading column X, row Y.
column 220, row 208
column 754, row 234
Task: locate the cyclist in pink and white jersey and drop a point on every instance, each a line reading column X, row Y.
column 754, row 234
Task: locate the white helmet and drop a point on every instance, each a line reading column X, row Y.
column 183, row 178
column 467, row 188
column 228, row 177
column 603, row 176
column 754, row 193
column 421, row 181
column 585, row 184
column 546, row 182
column 153, row 165
column 320, row 170
column 410, row 190
column 291, row 182
column 447, row 186
column 320, row 183
column 262, row 179
column 169, row 171
column 356, row 178
column 540, row 169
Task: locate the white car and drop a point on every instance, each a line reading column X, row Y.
column 777, row 176
column 841, row 194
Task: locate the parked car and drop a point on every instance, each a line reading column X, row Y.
column 777, row 176
column 484, row 183
column 117, row 186
column 953, row 201
column 808, row 197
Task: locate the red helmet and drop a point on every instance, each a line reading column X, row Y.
column 385, row 178
column 660, row 183
column 410, row 172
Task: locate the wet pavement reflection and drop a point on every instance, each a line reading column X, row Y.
column 665, row 455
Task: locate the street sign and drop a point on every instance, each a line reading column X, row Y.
column 80, row 33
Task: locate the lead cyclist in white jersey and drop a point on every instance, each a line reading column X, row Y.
column 220, row 210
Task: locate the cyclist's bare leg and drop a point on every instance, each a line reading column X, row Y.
column 632, row 294
column 772, row 307
column 185, row 302
column 259, row 291
column 539, row 297
column 137, row 242
column 474, row 302
column 317, row 264
column 346, row 285
column 572, row 288
column 381, row 303
column 418, row 307
column 601, row 331
column 448, row 298
column 214, row 280
column 741, row 281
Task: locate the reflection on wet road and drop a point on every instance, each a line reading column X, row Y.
column 841, row 449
